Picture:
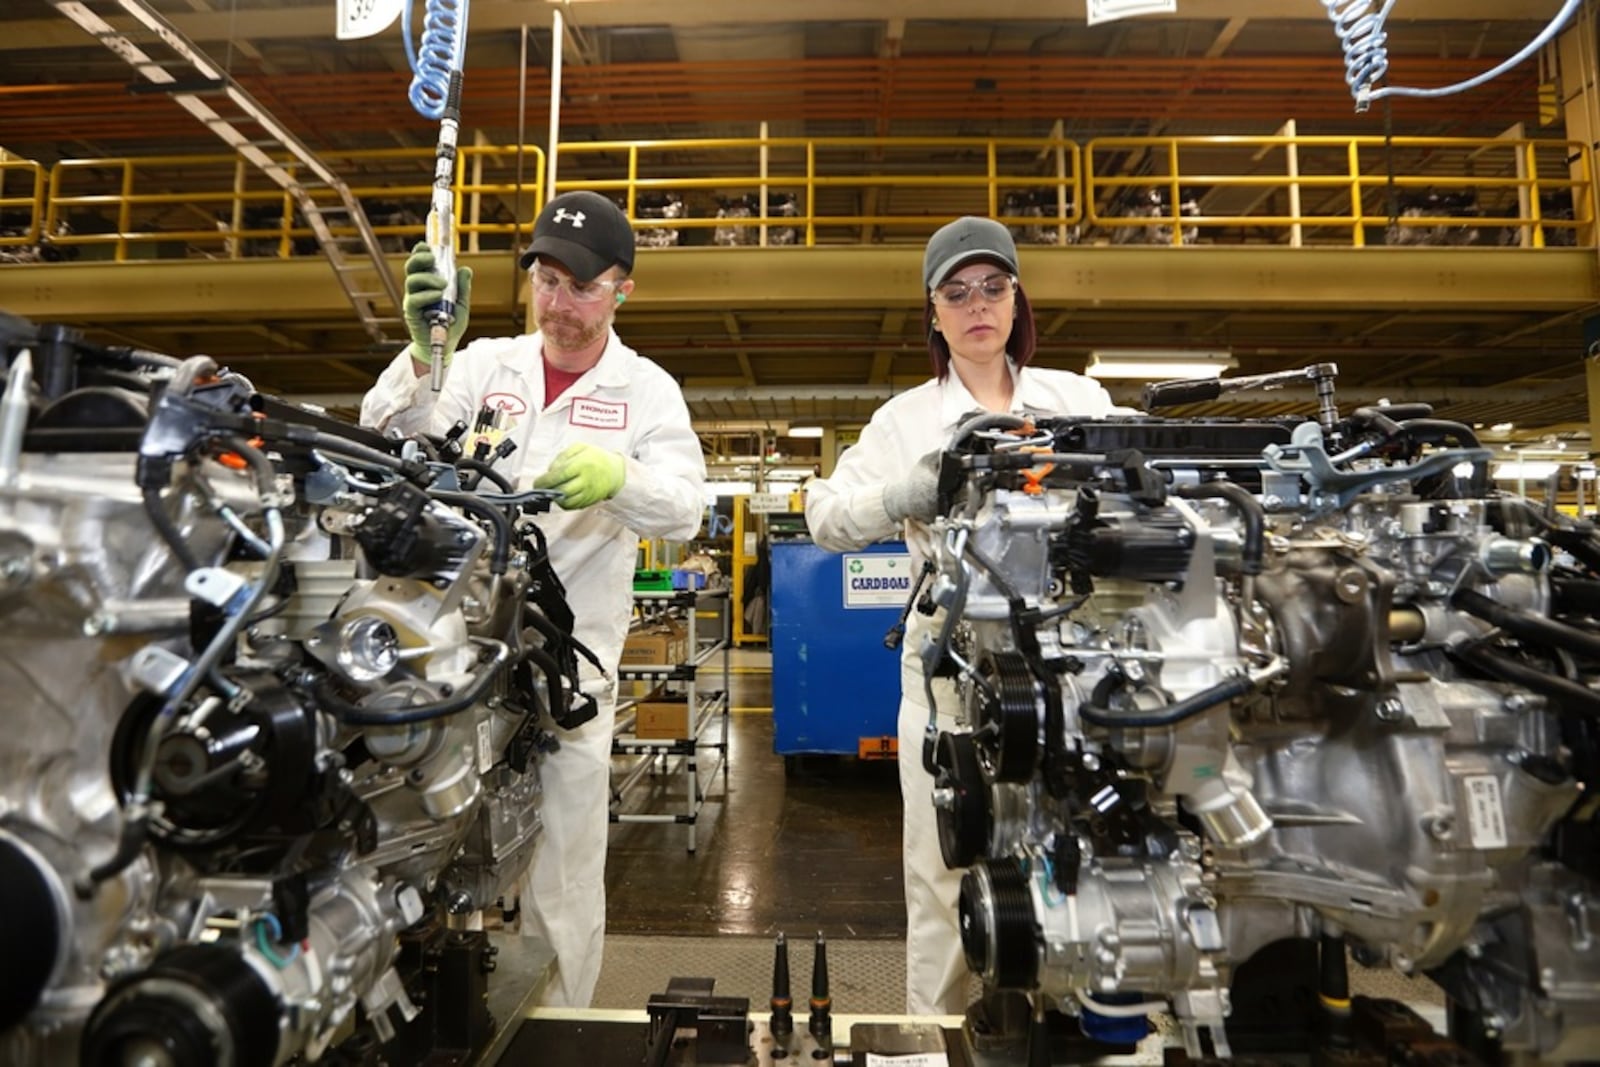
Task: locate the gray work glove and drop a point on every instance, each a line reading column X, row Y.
column 424, row 289
column 916, row 496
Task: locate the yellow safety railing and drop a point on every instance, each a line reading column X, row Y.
column 22, row 186
column 834, row 187
column 1322, row 189
column 1279, row 190
column 220, row 206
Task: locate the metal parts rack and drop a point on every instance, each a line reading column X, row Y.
column 674, row 748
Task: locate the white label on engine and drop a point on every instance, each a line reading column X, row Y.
column 485, row 746
column 914, row 1059
column 877, row 580
column 1485, row 814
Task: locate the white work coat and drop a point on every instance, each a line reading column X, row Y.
column 629, row 405
column 845, row 511
column 624, row 403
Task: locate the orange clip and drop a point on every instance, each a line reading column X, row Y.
column 1034, row 477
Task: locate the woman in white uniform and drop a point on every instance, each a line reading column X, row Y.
column 981, row 336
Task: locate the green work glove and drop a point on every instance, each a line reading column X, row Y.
column 424, row 289
column 585, row 475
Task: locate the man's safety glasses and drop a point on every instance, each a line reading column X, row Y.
column 548, row 282
column 992, row 288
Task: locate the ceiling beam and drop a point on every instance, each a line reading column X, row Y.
column 298, row 23
column 1225, row 37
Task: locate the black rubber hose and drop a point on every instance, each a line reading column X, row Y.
column 1255, row 518
column 987, row 421
column 129, row 844
column 1430, row 431
column 341, row 446
column 1378, row 419
column 168, row 529
column 1570, row 696
column 1579, row 594
column 552, row 677
column 1535, row 629
column 355, row 715
column 497, row 518
column 259, row 463
column 483, row 470
column 1172, row 714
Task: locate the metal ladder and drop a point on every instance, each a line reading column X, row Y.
column 193, row 80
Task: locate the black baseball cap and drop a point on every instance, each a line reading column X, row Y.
column 584, row 232
column 970, row 238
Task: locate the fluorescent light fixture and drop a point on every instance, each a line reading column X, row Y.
column 1503, row 427
column 1158, row 364
column 1527, row 470
column 1586, row 472
column 804, row 431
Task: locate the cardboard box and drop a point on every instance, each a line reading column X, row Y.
column 663, row 718
column 662, row 643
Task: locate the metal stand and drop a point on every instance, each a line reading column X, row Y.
column 704, row 706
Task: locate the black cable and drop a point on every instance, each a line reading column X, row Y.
column 1430, row 431
column 1535, row 629
column 483, row 470
column 265, row 475
column 1582, row 594
column 1255, row 517
column 986, row 421
column 1173, row 713
column 129, row 844
column 356, row 715
column 372, row 457
column 1569, row 696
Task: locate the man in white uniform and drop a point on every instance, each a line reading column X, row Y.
column 609, row 429
column 981, row 337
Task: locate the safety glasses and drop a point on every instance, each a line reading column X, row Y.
column 547, row 282
column 991, row 289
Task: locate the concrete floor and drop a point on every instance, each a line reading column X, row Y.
column 814, row 847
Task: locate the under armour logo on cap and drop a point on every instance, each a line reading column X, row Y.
column 584, row 232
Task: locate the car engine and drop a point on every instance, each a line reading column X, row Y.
column 279, row 688
column 1230, row 685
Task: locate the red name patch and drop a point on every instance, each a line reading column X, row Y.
column 599, row 414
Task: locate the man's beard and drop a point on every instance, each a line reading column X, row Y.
column 572, row 335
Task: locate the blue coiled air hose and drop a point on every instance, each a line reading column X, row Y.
column 438, row 55
column 1359, row 26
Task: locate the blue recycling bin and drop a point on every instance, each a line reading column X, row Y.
column 835, row 687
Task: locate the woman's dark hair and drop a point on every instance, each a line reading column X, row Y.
column 1024, row 336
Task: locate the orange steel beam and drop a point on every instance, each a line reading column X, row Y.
column 1225, row 89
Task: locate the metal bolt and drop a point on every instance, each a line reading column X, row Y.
column 944, row 798
column 1091, row 762
column 1439, row 827
column 1390, row 709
